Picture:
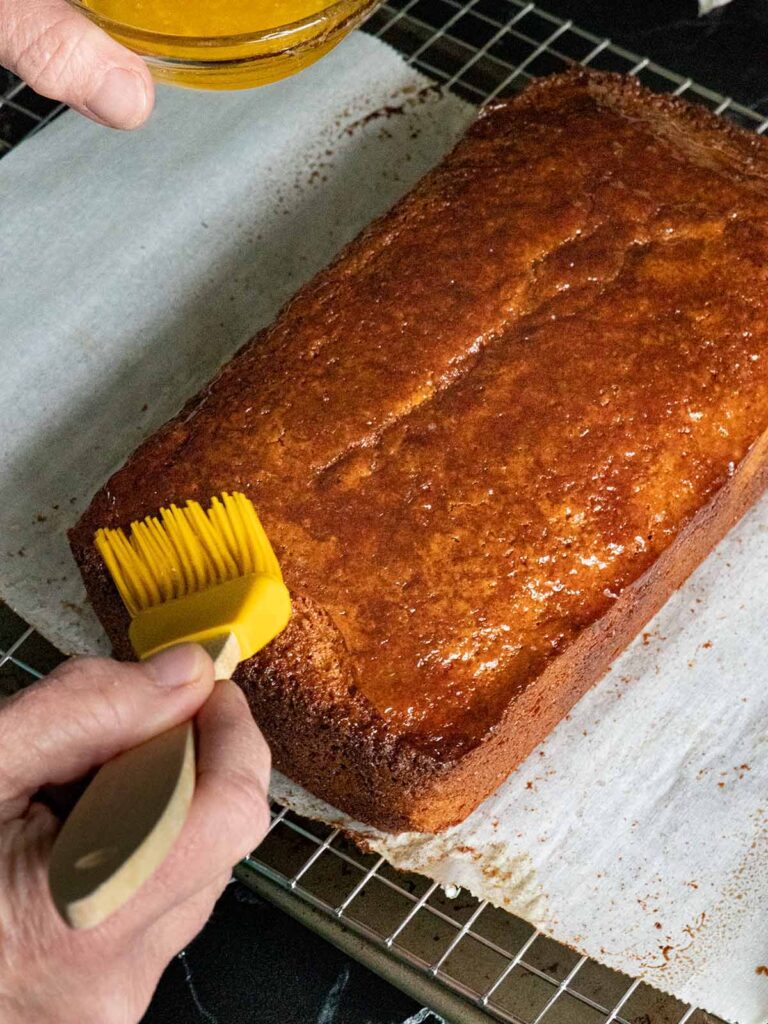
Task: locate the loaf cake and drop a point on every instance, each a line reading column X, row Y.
column 487, row 442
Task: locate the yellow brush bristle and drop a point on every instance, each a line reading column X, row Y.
column 186, row 550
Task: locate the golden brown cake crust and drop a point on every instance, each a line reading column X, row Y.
column 488, row 441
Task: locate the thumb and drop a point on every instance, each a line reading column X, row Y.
column 63, row 55
column 90, row 709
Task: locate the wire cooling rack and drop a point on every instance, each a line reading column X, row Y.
column 479, row 49
column 470, row 961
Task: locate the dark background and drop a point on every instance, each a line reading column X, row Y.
column 727, row 50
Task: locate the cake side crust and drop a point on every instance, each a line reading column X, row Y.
column 396, row 790
column 329, row 740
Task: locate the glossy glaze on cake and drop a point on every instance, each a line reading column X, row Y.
column 488, row 441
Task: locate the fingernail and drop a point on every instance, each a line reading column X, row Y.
column 177, row 666
column 120, row 99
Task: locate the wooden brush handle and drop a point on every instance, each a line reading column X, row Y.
column 129, row 817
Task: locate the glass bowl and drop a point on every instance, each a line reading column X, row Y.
column 237, row 61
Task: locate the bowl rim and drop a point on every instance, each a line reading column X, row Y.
column 279, row 32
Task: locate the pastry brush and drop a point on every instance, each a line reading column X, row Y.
column 209, row 577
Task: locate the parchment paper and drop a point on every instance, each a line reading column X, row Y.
column 131, row 266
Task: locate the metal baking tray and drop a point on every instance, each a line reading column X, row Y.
column 469, row 961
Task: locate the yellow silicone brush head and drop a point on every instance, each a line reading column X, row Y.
column 191, row 574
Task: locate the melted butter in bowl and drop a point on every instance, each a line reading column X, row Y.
column 227, row 44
